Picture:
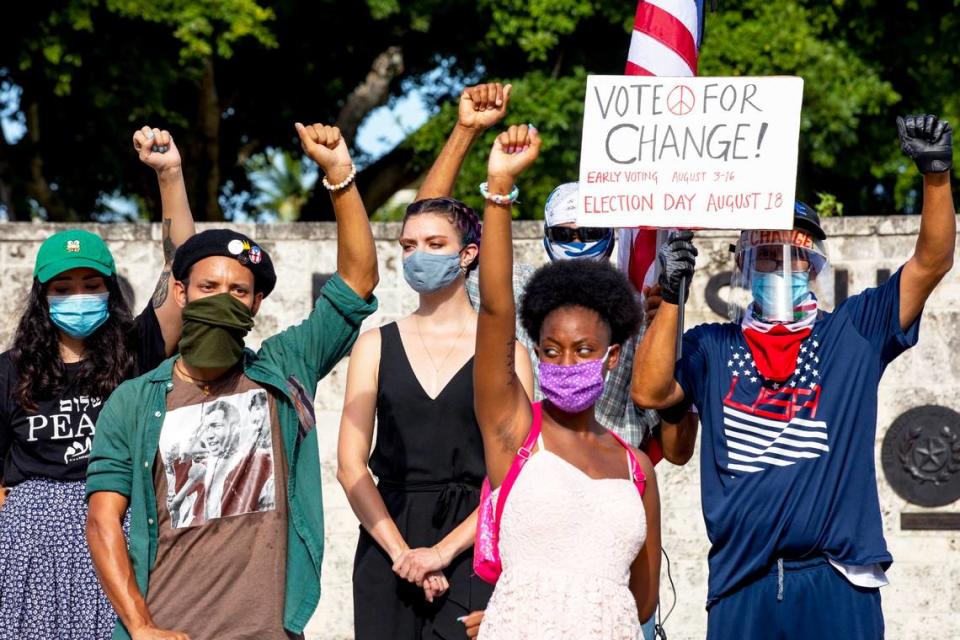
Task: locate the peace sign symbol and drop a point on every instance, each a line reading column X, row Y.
column 680, row 100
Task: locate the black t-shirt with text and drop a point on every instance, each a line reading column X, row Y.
column 54, row 441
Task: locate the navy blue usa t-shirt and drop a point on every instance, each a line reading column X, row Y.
column 787, row 470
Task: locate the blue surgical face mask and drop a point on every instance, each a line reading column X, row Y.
column 770, row 291
column 79, row 315
column 429, row 272
column 599, row 250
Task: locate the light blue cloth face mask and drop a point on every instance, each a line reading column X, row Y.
column 79, row 315
column 430, row 272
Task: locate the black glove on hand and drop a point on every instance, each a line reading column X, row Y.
column 676, row 258
column 928, row 140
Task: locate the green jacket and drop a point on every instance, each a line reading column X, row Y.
column 288, row 365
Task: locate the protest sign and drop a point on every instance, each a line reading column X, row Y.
column 712, row 153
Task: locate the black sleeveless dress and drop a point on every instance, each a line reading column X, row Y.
column 429, row 463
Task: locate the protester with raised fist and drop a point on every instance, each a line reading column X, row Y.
column 412, row 574
column 565, row 240
column 577, row 555
column 787, row 395
column 481, row 107
column 75, row 342
column 214, row 452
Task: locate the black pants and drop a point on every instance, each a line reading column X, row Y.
column 386, row 607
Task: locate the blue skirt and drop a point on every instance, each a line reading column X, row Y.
column 48, row 588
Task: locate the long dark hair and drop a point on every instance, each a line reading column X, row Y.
column 36, row 350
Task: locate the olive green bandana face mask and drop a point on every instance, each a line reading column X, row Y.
column 213, row 331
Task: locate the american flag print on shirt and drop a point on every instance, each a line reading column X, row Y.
column 771, row 425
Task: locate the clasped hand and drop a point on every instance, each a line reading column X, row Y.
column 423, row 567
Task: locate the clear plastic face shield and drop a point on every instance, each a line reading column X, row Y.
column 779, row 276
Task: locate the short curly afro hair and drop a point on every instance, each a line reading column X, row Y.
column 591, row 284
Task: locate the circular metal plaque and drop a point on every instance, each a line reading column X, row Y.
column 921, row 456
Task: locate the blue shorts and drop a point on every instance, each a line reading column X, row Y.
column 810, row 600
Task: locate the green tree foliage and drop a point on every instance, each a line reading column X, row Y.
column 282, row 182
column 229, row 77
column 911, row 45
column 553, row 105
column 778, row 38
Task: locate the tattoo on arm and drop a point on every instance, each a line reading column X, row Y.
column 168, row 247
column 163, row 287
column 163, row 284
column 505, row 432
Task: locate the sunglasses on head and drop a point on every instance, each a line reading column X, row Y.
column 576, row 234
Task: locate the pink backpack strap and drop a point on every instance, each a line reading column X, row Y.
column 523, row 454
column 636, row 472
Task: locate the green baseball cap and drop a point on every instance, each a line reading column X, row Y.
column 72, row 249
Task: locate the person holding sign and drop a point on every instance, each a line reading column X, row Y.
column 788, row 400
column 579, row 535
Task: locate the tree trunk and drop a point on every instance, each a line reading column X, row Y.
column 6, row 187
column 37, row 186
column 371, row 93
column 208, row 121
column 386, row 176
column 368, row 95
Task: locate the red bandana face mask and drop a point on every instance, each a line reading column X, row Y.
column 775, row 347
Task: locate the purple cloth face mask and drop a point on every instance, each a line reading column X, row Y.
column 573, row 387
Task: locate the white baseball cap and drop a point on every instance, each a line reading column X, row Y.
column 563, row 204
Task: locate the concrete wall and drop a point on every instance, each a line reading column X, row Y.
column 924, row 597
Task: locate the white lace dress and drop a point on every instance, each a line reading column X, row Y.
column 566, row 543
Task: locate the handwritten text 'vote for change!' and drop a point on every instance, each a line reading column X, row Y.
column 690, row 152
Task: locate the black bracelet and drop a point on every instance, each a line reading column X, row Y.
column 674, row 414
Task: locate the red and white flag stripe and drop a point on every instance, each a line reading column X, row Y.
column 664, row 43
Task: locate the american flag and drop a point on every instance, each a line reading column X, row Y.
column 665, row 42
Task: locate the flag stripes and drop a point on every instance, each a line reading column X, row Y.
column 664, row 42
column 671, row 24
column 756, row 444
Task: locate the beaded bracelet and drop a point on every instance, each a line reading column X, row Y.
column 343, row 185
column 497, row 198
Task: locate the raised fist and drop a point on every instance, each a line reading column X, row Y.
column 928, row 140
column 513, row 151
column 484, row 105
column 156, row 149
column 327, row 148
column 677, row 257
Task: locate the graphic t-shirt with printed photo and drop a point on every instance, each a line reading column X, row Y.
column 220, row 476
